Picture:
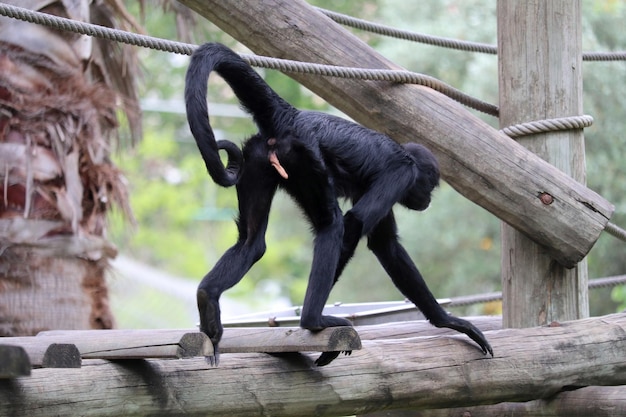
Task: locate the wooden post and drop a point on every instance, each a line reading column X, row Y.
column 540, row 67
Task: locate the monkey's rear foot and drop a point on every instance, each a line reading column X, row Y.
column 213, row 360
column 321, row 323
column 470, row 330
column 210, row 323
column 327, row 357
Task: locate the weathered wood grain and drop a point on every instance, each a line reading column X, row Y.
column 484, row 165
column 582, row 402
column 130, row 344
column 540, row 60
column 92, row 343
column 403, row 330
column 418, row 373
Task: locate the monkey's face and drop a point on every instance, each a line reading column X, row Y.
column 419, row 195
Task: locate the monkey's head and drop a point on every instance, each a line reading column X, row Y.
column 418, row 196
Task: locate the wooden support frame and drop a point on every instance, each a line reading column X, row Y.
column 66, row 348
column 482, row 164
column 540, row 71
column 416, row 373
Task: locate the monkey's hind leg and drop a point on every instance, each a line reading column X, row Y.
column 255, row 191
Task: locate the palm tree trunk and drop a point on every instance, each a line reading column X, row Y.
column 57, row 183
column 40, row 292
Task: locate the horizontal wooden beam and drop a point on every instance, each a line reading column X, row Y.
column 132, row 344
column 418, row 373
column 481, row 163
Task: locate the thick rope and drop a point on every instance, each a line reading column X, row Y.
column 615, row 231
column 406, row 77
column 97, row 31
column 484, row 48
column 467, row 300
column 408, row 35
column 397, row 76
column 548, row 125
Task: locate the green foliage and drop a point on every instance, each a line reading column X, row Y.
column 163, row 206
column 605, row 100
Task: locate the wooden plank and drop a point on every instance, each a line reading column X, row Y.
column 540, row 60
column 46, row 354
column 14, row 361
column 132, row 344
column 418, row 373
column 293, row 339
column 484, row 165
column 234, row 340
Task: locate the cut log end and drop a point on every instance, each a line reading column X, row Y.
column 195, row 344
column 61, row 355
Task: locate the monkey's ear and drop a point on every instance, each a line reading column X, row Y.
column 426, row 163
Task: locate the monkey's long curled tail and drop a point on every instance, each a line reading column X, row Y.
column 256, row 97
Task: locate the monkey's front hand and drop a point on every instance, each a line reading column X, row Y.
column 210, row 323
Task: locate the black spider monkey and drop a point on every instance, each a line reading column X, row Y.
column 316, row 158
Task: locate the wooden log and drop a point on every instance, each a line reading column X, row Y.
column 131, row 344
column 540, row 66
column 582, row 402
column 482, row 164
column 234, row 340
column 48, row 354
column 14, row 361
column 293, row 339
column 402, row 330
column 418, row 373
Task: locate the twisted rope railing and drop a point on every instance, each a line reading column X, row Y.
column 443, row 42
column 467, row 300
column 398, row 76
column 548, row 125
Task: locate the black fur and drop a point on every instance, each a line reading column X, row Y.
column 325, row 158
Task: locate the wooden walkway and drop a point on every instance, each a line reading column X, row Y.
column 66, row 349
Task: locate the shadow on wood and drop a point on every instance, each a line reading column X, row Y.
column 14, row 361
